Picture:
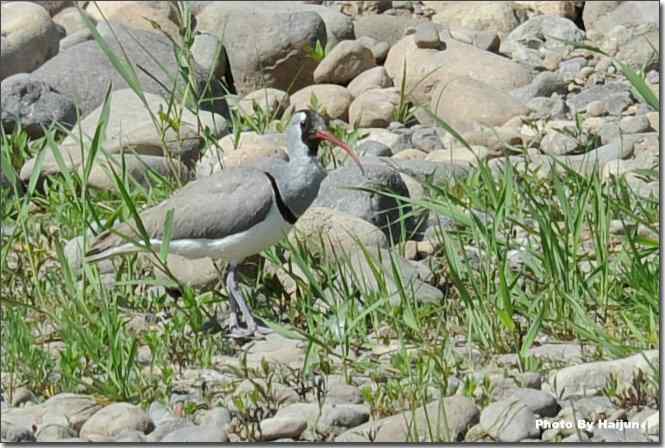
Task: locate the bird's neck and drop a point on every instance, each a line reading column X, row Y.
column 300, row 182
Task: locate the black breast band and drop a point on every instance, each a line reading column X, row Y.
column 284, row 210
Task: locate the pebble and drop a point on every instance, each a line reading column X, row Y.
column 596, row 108
column 427, row 36
column 634, row 124
column 197, row 434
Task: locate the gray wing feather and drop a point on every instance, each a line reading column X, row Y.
column 213, row 207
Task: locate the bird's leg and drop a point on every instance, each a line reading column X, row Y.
column 238, row 303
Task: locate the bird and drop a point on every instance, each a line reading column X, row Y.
column 235, row 213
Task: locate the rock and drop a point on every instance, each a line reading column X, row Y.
column 347, row 60
column 166, row 427
column 448, row 420
column 217, row 416
column 29, row 37
column 465, row 101
column 426, row 68
column 509, row 421
column 281, row 427
column 597, row 93
column 547, row 108
column 557, row 142
column 373, row 148
column 83, row 72
column 601, row 17
column 12, row 433
column 359, row 7
column 395, row 142
column 374, row 78
column 459, row 154
column 249, row 147
column 380, row 210
column 543, row 85
column 70, row 19
column 340, row 393
column 324, row 229
column 530, row 42
column 332, row 101
column 209, row 52
column 383, row 28
column 75, row 39
column 478, row 15
column 540, row 402
column 130, row 129
column 75, row 408
column 596, row 108
column 410, row 154
column 339, row 418
column 53, row 433
column 634, row 124
column 378, row 48
column 138, row 168
column 277, row 349
column 423, row 170
column 277, row 57
column 270, row 101
column 200, row 273
column 427, row 139
column 427, row 36
column 374, row 108
column 654, row 120
column 637, row 47
column 115, row 418
column 585, row 379
column 651, row 425
column 197, row 434
column 23, row 395
column 618, row 435
column 133, row 15
column 547, row 353
column 569, row 9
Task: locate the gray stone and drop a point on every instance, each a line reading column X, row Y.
column 159, row 412
column 333, row 100
column 596, row 108
column 347, row 60
column 373, row 148
column 75, row 408
column 547, row 108
column 509, row 420
column 29, row 37
column 83, row 72
column 603, row 93
column 374, row 78
column 340, row 393
column 209, row 52
column 443, row 420
column 380, row 210
column 277, row 57
column 217, row 416
column 282, row 427
column 12, row 433
column 75, row 39
column 116, row 418
column 423, row 170
column 427, row 139
column 615, row 435
column 531, row 41
column 374, row 108
column 601, row 17
column 339, row 418
column 427, row 36
column 21, row 396
column 167, row 426
column 634, row 124
column 131, row 436
column 618, row 103
column 586, row 379
column 197, row 434
column 540, row 402
column 557, row 142
column 543, row 85
column 34, row 106
column 383, row 28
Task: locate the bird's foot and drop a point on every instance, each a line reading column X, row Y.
column 252, row 330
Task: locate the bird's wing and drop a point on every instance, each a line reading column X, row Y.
column 213, row 207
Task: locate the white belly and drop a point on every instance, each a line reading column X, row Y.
column 234, row 247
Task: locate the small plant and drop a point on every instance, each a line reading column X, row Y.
column 318, row 53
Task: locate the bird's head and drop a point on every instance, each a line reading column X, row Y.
column 307, row 130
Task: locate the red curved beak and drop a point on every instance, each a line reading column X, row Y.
column 323, row 135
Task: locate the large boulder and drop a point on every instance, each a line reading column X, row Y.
column 464, row 102
column 33, row 105
column 374, row 108
column 347, row 60
column 130, row 128
column 29, row 37
column 330, row 100
column 341, row 191
column 425, row 68
column 83, row 72
column 265, row 48
column 134, row 14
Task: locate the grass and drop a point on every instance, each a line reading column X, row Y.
column 549, row 264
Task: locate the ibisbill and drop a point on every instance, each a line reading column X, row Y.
column 235, row 213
